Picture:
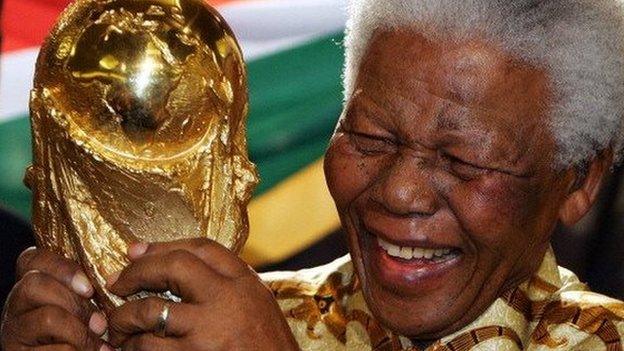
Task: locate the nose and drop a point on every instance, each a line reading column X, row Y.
column 407, row 189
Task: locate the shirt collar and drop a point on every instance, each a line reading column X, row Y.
column 509, row 315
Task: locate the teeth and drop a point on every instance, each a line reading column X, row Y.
column 428, row 254
column 419, row 253
column 394, row 250
column 408, row 253
column 440, row 253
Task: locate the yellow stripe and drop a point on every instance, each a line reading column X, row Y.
column 290, row 217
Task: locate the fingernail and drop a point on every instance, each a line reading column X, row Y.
column 106, row 348
column 137, row 250
column 98, row 323
column 112, row 279
column 81, row 285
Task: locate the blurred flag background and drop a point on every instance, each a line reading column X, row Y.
column 294, row 53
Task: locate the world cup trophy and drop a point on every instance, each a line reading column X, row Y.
column 138, row 119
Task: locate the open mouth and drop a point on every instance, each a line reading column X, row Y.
column 414, row 253
column 412, row 268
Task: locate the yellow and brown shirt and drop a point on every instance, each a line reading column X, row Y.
column 325, row 309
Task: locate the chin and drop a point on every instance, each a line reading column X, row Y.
column 423, row 297
column 413, row 318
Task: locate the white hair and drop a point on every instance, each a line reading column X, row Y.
column 580, row 44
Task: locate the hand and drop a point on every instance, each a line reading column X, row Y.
column 49, row 308
column 224, row 304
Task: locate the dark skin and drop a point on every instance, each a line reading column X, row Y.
column 227, row 309
column 442, row 145
column 48, row 309
column 224, row 304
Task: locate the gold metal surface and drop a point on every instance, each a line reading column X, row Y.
column 138, row 119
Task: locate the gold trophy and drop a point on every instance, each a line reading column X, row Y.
column 138, row 118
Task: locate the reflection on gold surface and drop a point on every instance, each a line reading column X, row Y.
column 138, row 117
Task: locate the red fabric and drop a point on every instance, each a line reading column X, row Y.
column 25, row 23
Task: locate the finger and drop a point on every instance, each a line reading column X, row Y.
column 150, row 342
column 37, row 289
column 98, row 323
column 216, row 256
column 23, row 261
column 54, row 325
column 142, row 316
column 59, row 267
column 178, row 271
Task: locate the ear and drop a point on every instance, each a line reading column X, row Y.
column 581, row 198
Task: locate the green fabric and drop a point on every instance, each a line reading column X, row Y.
column 15, row 156
column 295, row 100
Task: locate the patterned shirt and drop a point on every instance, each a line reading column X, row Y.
column 553, row 310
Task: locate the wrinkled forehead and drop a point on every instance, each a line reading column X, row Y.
column 472, row 72
column 459, row 87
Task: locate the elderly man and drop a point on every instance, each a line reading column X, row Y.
column 471, row 129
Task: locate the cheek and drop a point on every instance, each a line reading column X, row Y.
column 495, row 210
column 347, row 172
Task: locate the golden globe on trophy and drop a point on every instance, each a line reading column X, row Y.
column 138, row 119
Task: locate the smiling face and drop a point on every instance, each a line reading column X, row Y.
column 441, row 173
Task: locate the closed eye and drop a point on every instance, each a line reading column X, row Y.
column 465, row 170
column 370, row 144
